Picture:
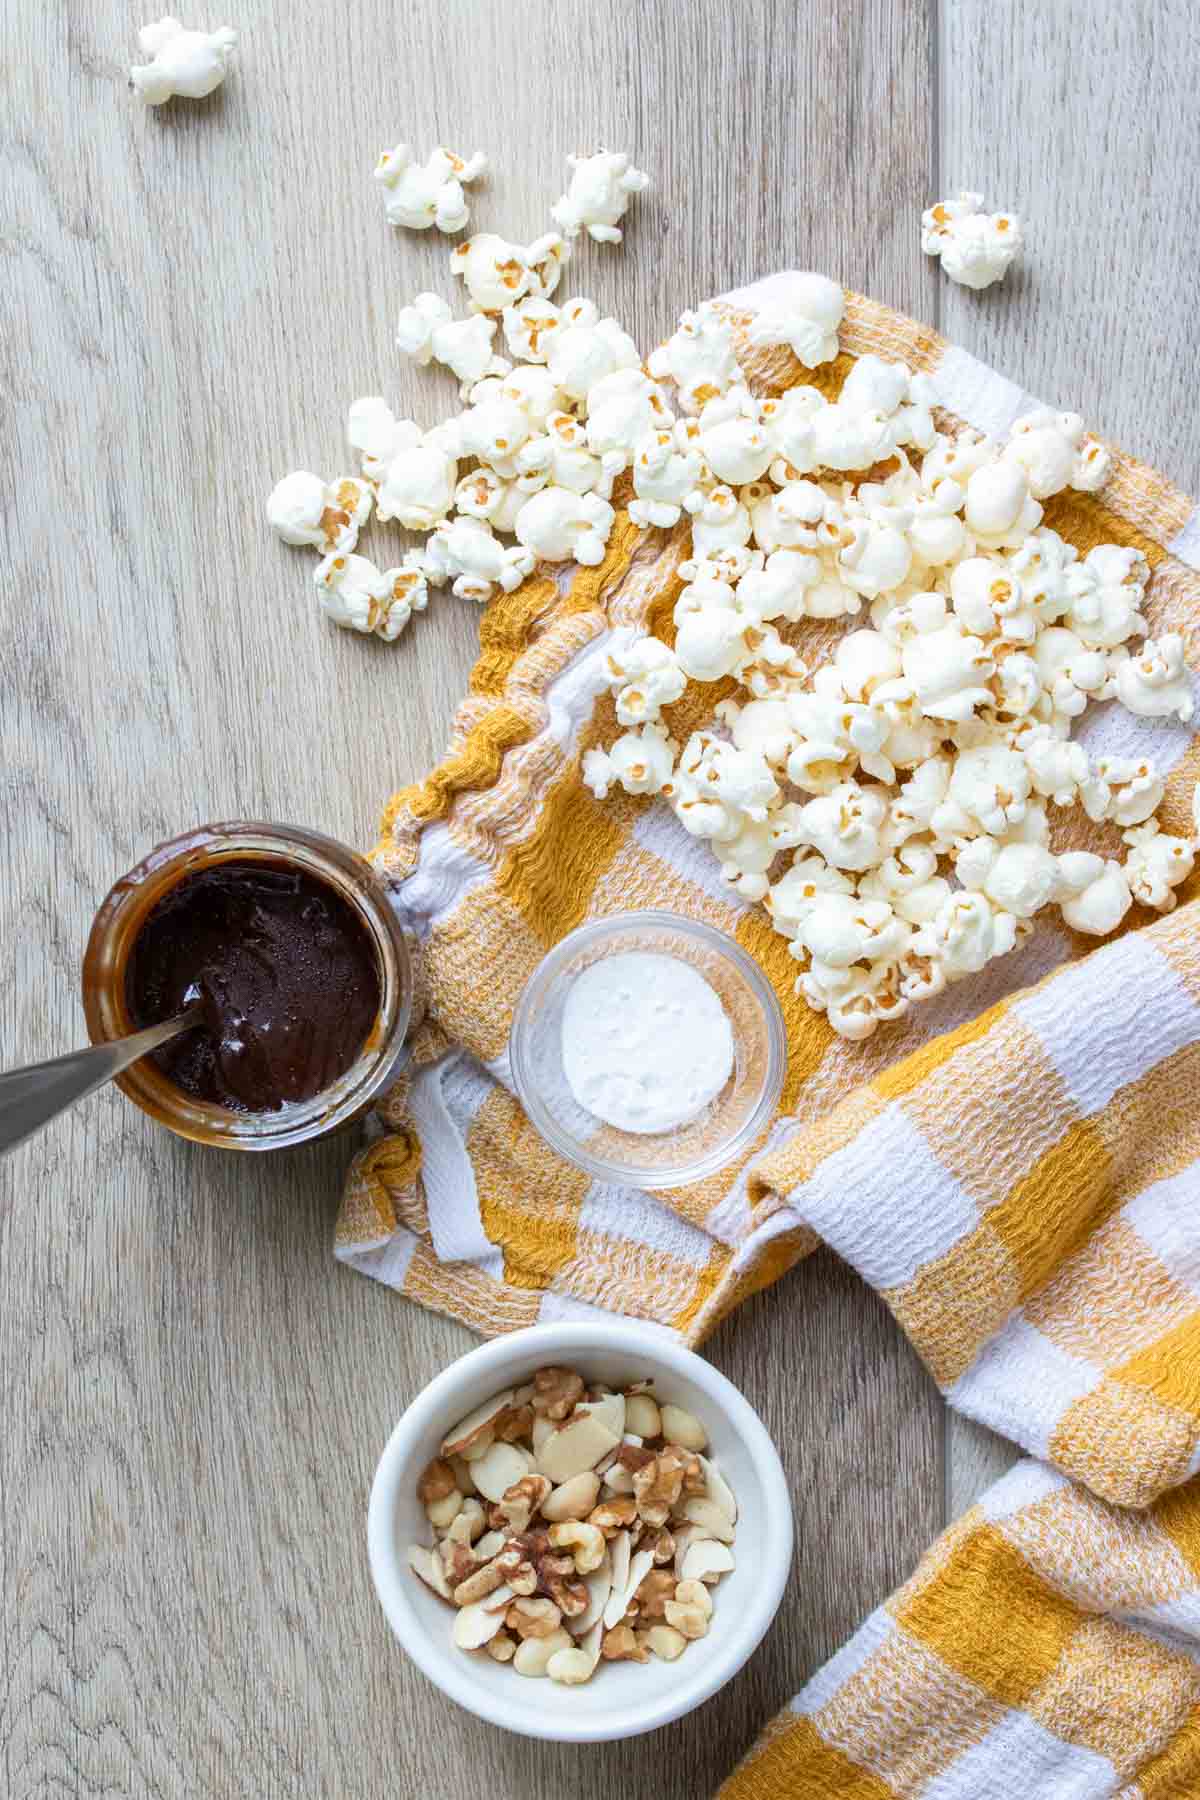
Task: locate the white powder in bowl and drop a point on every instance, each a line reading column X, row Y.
column 646, row 1043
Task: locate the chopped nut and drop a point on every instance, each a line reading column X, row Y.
column 710, row 1517
column 662, row 1547
column 479, row 1585
column 615, row 1514
column 573, row 1499
column 436, row 1483
column 489, row 1545
column 474, row 1626
column 642, row 1415
column 518, row 1503
column 718, row 1489
column 534, row 1653
column 463, row 1480
column 429, row 1567
column 580, row 1443
column 690, row 1610
column 622, row 1645
column 542, row 1429
column 657, row 1486
column 498, row 1469
column 519, row 1572
column 707, row 1560
column 467, row 1523
column 587, row 1542
column 458, row 1561
column 655, row 1590
column 618, row 1480
column 680, row 1427
column 599, row 1590
column 513, row 1423
column 442, row 1513
column 614, row 1606
column 533, row 1618
column 471, row 1429
column 502, row 1648
column 480, row 1444
column 634, row 1457
column 665, row 1641
column 556, row 1392
column 571, row 1667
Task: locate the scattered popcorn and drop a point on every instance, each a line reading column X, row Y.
column 1054, row 453
column 1156, row 684
column 303, row 509
column 641, row 761
column 356, row 596
column 585, row 348
column 416, row 487
column 498, row 274
column 468, row 554
column 190, row 63
column 598, row 196
column 566, row 1579
column 975, row 248
column 699, row 358
column 646, row 676
column 431, row 193
column 1156, row 864
column 428, row 332
column 808, row 325
column 557, row 525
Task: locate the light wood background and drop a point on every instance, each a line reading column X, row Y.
column 193, row 1394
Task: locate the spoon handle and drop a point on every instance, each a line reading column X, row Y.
column 32, row 1096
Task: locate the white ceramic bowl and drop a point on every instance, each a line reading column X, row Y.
column 622, row 1699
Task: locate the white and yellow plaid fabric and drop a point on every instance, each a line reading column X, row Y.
column 1016, row 1168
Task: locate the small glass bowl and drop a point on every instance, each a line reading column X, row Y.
column 727, row 1125
column 124, row 911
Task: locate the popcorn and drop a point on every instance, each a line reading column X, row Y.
column 1054, row 453
column 999, row 508
column 990, row 786
column 839, row 929
column 466, row 552
column 417, row 486
column 716, row 784
column 529, row 327
column 494, row 430
column 1100, row 906
column 428, row 332
column 808, row 324
column 485, row 495
column 937, row 535
column 876, row 560
column 375, row 432
column 1070, row 674
column 560, row 456
column 947, row 669
column 975, row 248
column 844, row 825
column 622, row 407
column 965, row 934
column 557, row 525
column 1156, row 864
column 431, row 193
column 711, row 629
column 1157, row 683
column 190, row 63
column 357, row 597
column 664, row 480
column 641, row 762
column 585, row 348
column 732, row 440
column 1105, row 595
column 699, row 357
column 721, row 523
column 990, row 602
column 1057, row 768
column 498, row 274
column 303, row 509
column 598, row 197
column 646, row 677
column 1124, row 790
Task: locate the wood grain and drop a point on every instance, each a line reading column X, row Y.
column 195, row 1395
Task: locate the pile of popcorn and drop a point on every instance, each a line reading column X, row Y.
column 575, row 1524
column 906, row 782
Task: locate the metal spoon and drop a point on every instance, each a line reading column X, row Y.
column 31, row 1097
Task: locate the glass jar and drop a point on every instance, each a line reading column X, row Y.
column 121, row 918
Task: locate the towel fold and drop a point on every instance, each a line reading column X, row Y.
column 1016, row 1167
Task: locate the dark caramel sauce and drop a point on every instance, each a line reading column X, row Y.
column 285, row 972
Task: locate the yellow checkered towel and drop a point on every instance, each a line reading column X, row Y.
column 1014, row 1167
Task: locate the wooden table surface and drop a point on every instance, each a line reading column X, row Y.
column 194, row 1394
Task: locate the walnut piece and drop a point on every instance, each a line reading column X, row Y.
column 614, row 1514
column 437, row 1481
column 518, row 1503
column 556, row 1392
column 622, row 1645
column 657, row 1486
column 531, row 1618
column 656, row 1589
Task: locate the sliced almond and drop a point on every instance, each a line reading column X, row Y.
column 573, row 1499
column 712, row 1519
column 706, row 1560
column 497, row 1469
column 534, row 1653
column 611, row 1412
column 474, row 1625
column 543, row 1428
column 579, row 1444
column 424, row 1563
column 523, row 1395
column 640, row 1566
column 719, row 1489
column 489, row 1545
column 498, row 1599
column 618, row 1480
column 614, row 1606
column 599, row 1586
column 685, row 1537
column 455, row 1442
